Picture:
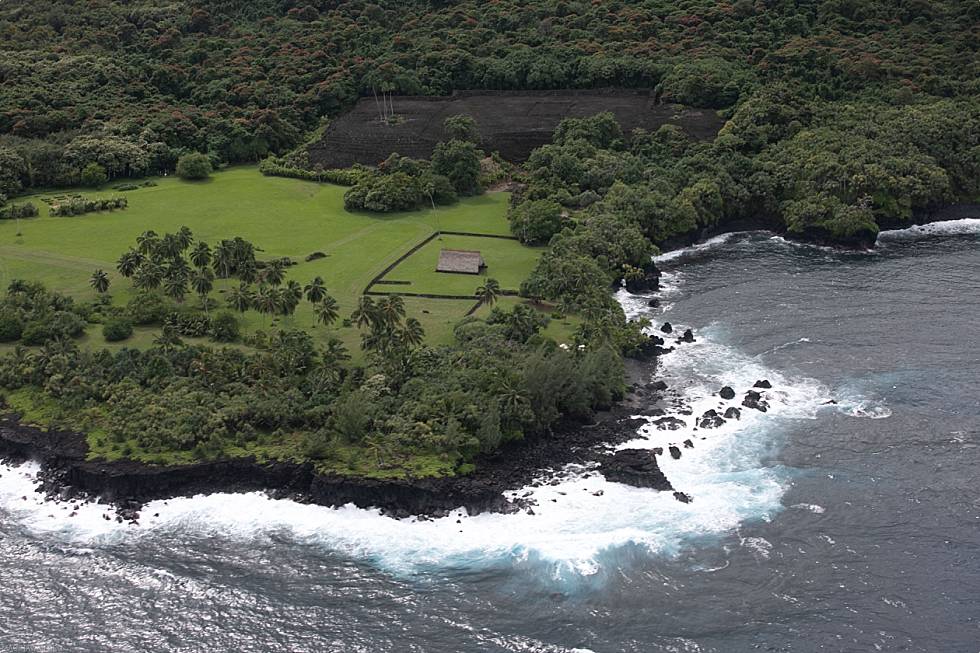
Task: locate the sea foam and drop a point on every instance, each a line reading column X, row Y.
column 961, row 227
column 579, row 523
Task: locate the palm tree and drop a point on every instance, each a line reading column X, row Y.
column 175, row 286
column 266, row 300
column 413, row 334
column 487, row 293
column 294, row 291
column 247, row 272
column 168, row 339
column 148, row 276
column 316, row 290
column 169, row 247
column 365, row 313
column 222, row 259
column 185, row 237
column 326, row 311
column 147, row 242
column 100, row 281
column 178, row 266
column 201, row 256
column 129, row 262
column 240, row 298
column 203, row 282
column 274, row 273
column 334, row 352
column 391, row 309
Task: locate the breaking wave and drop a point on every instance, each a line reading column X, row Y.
column 578, row 524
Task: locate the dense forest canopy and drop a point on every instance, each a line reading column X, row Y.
column 134, row 84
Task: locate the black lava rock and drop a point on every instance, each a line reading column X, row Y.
column 727, row 393
column 711, row 419
column 683, row 497
column 636, row 467
column 669, row 423
column 675, row 453
column 667, row 328
column 754, row 400
column 649, row 282
column 733, row 412
column 688, row 336
column 654, row 303
column 764, row 383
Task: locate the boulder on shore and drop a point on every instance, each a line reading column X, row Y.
column 669, row 423
column 667, row 327
column 727, row 393
column 649, row 282
column 733, row 412
column 688, row 336
column 675, row 453
column 763, row 383
column 636, row 467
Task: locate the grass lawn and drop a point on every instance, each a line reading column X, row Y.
column 282, row 217
column 507, row 261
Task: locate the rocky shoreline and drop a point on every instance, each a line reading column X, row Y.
column 67, row 476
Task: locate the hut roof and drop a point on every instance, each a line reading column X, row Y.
column 460, row 260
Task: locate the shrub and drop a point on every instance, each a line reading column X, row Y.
column 273, row 167
column 14, row 211
column 66, row 324
column 11, row 327
column 147, row 308
column 191, row 325
column 225, row 328
column 117, row 328
column 462, row 127
column 77, row 206
column 35, row 333
column 194, row 166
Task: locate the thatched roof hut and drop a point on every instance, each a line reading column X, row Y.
column 460, row 261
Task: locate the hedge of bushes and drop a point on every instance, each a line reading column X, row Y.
column 14, row 211
column 79, row 205
column 343, row 177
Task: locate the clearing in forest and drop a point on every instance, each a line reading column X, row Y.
column 282, row 217
column 510, row 122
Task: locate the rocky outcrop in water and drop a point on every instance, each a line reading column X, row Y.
column 636, row 467
column 727, row 393
column 754, row 400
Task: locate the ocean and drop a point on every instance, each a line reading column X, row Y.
column 846, row 517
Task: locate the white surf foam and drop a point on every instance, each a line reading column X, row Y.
column 961, row 227
column 580, row 521
column 698, row 248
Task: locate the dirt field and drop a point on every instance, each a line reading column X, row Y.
column 512, row 123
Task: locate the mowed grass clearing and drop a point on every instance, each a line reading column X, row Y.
column 507, row 261
column 282, row 217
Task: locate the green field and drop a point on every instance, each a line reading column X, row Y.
column 282, row 217
column 507, row 261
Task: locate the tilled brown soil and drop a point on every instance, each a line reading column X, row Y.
column 511, row 122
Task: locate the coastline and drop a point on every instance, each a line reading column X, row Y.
column 66, row 474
